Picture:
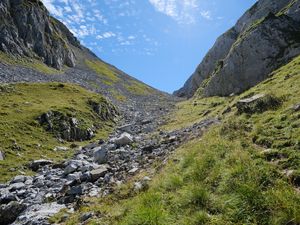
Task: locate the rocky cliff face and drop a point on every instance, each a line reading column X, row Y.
column 263, row 39
column 27, row 29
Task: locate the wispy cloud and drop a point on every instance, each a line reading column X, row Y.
column 206, row 14
column 183, row 11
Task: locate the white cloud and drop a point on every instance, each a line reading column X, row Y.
column 206, row 14
column 183, row 11
column 105, row 35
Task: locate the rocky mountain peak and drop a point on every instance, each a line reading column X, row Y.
column 28, row 30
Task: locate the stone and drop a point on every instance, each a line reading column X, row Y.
column 61, row 148
column 133, row 170
column 16, row 186
column 10, row 212
column 85, row 216
column 149, row 148
column 100, row 172
column 7, row 198
column 124, row 139
column 127, row 128
column 74, row 176
column 138, row 186
column 39, row 213
column 19, row 179
column 36, row 164
column 100, row 155
column 76, row 190
column 257, row 104
column 86, row 177
column 70, row 168
column 296, row 107
column 1, row 156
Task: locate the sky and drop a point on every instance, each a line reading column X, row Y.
column 159, row 42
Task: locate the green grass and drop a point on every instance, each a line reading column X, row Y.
column 29, row 63
column 234, row 174
column 23, row 139
column 138, row 88
column 218, row 181
column 103, row 70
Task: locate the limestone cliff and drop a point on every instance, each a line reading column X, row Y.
column 263, row 39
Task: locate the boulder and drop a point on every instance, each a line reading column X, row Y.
column 100, row 155
column 124, row 139
column 10, row 212
column 19, row 179
column 72, row 167
column 100, row 172
column 16, row 186
column 76, row 190
column 257, row 104
column 39, row 213
column 36, row 164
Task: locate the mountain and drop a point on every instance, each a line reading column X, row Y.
column 55, row 92
column 35, row 47
column 264, row 38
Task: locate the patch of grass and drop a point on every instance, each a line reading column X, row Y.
column 195, row 110
column 138, row 88
column 21, row 136
column 29, row 63
column 109, row 76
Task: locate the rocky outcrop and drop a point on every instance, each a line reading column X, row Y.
column 70, row 128
column 263, row 39
column 66, row 127
column 27, row 29
column 261, row 50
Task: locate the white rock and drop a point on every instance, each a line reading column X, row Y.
column 133, row 171
column 100, row 172
column 124, row 139
column 1, row 156
column 61, row 148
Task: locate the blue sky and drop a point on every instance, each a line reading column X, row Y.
column 160, row 42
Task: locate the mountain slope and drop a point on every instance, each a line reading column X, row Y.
column 228, row 66
column 35, row 47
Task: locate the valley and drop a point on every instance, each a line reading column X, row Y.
column 82, row 142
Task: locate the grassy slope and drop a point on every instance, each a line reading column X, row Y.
column 228, row 176
column 22, row 138
column 29, row 63
column 110, row 78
